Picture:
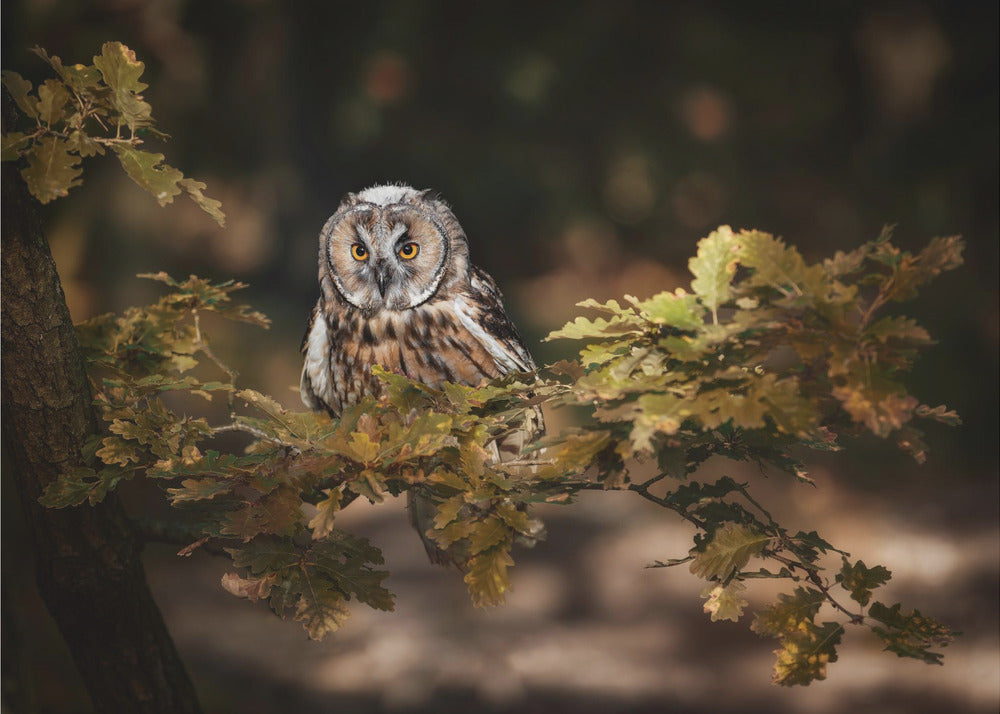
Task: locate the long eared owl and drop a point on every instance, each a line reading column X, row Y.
column 397, row 290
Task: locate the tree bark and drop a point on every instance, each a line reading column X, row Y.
column 87, row 560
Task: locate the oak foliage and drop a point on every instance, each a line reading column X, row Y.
column 765, row 358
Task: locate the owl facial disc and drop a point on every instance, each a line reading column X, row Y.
column 386, row 257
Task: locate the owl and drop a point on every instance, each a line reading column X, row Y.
column 397, row 289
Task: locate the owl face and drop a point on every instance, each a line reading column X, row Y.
column 391, row 248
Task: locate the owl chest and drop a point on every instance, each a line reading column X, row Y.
column 430, row 346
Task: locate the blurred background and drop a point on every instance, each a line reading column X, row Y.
column 585, row 148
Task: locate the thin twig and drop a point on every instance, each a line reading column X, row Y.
column 230, row 372
column 530, row 462
column 877, row 302
column 813, row 576
column 247, row 429
column 643, row 491
column 747, row 496
column 655, row 479
column 154, row 531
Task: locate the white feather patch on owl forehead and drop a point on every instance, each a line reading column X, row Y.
column 388, row 194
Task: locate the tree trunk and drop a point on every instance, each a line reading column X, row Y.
column 87, row 558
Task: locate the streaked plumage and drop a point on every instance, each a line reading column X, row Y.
column 398, row 290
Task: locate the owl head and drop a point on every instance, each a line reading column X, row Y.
column 391, row 248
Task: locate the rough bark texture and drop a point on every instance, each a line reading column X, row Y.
column 87, row 558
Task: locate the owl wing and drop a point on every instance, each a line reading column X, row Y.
column 488, row 323
column 483, row 315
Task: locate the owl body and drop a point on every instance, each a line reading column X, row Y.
column 457, row 338
column 397, row 290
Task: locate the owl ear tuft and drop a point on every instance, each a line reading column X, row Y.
column 430, row 195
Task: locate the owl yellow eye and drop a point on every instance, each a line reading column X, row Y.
column 359, row 252
column 409, row 251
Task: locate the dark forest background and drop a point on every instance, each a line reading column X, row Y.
column 585, row 148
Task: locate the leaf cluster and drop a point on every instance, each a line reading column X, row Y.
column 766, row 357
column 85, row 110
column 766, row 354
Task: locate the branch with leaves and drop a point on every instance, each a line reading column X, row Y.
column 87, row 110
column 767, row 355
column 765, row 358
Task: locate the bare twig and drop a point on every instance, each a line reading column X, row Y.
column 643, row 491
column 530, row 462
column 154, row 531
column 230, row 372
column 247, row 429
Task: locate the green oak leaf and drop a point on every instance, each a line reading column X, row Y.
column 80, row 78
column 939, row 413
column 52, row 170
column 804, row 655
column 121, row 71
column 610, row 307
column 209, row 205
column 582, row 328
column 517, row 519
column 671, row 309
column 713, row 268
column 912, row 272
column 347, row 563
column 84, row 145
column 898, row 328
column 729, row 550
column 882, row 413
column 447, row 511
column 321, row 524
column 790, row 613
column 13, row 143
column 52, row 99
column 910, row 634
column 116, row 450
column 448, row 535
column 724, row 601
column 487, row 533
column 277, row 513
column 266, row 555
column 150, row 173
column 780, row 266
column 321, row 612
column 860, row 580
column 20, row 90
column 486, row 576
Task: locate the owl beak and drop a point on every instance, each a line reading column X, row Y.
column 381, row 279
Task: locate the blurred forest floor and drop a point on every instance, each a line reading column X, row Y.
column 585, row 149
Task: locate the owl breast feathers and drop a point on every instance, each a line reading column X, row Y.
column 398, row 290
